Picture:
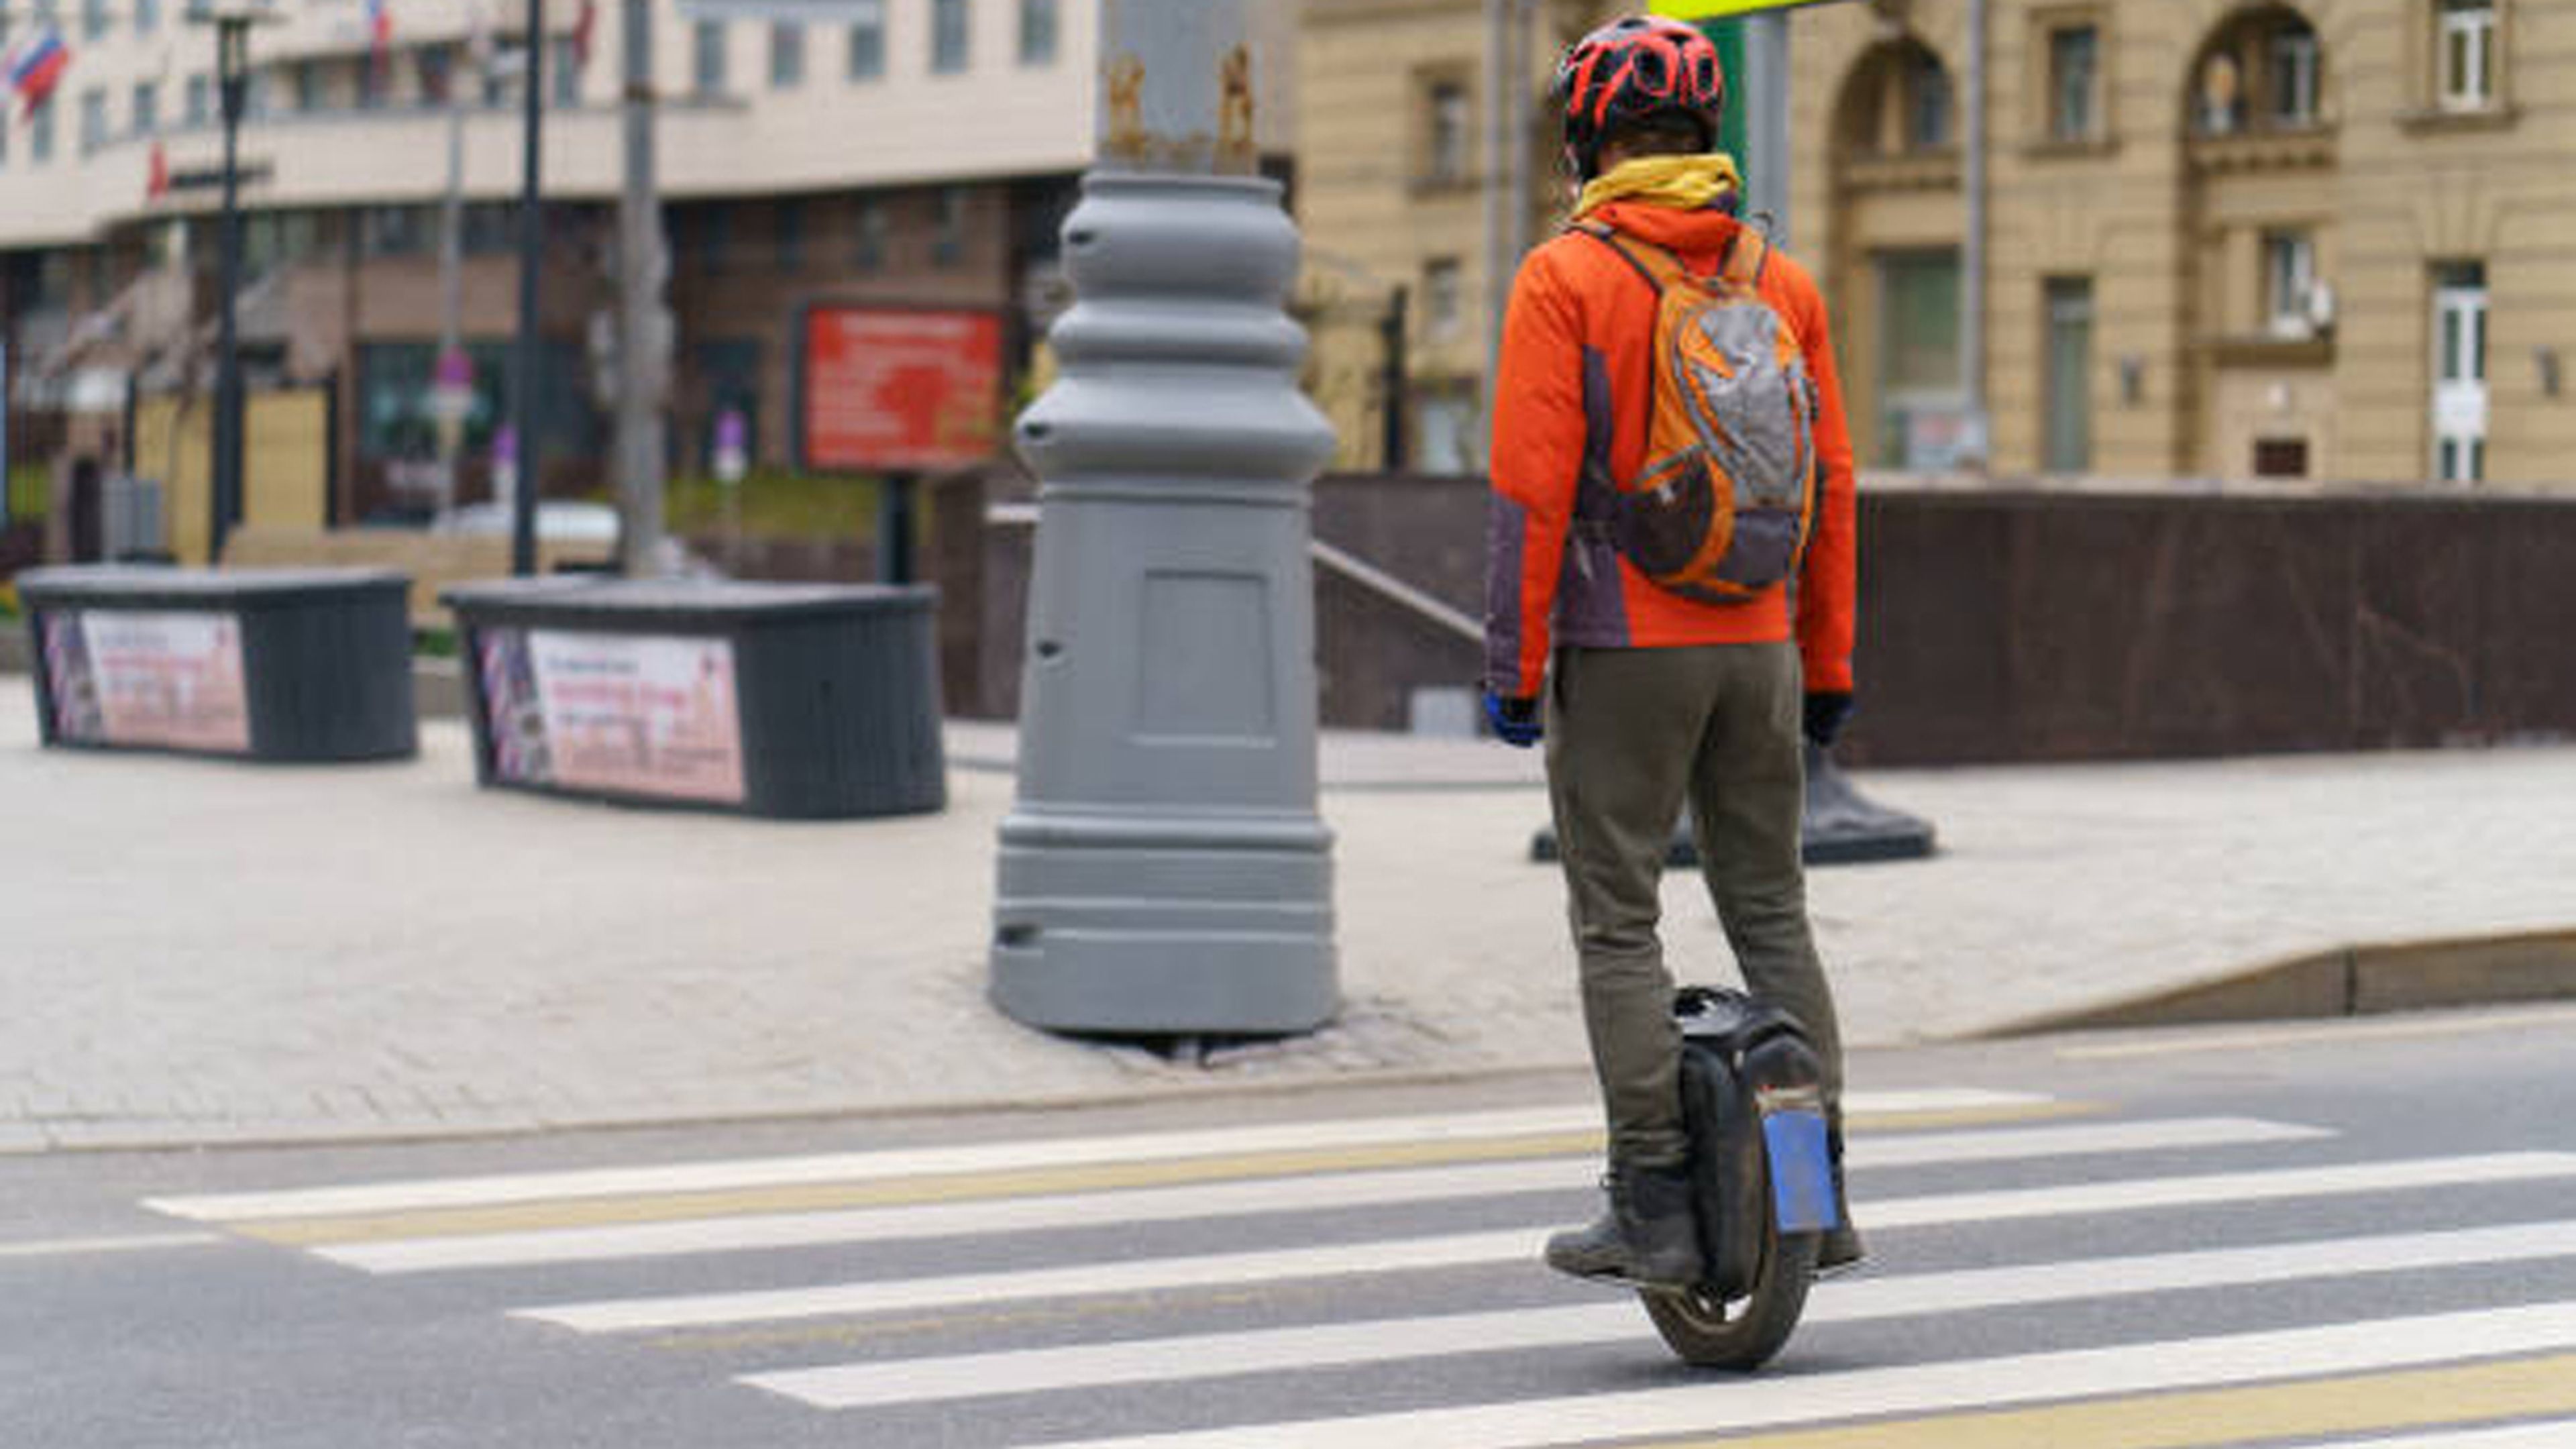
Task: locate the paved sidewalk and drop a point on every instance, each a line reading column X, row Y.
column 201, row 952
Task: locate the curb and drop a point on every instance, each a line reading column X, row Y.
column 2364, row 980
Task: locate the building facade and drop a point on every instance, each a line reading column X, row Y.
column 2319, row 239
column 896, row 152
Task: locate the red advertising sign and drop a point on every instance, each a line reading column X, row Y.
column 900, row 390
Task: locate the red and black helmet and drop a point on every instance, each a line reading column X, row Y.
column 1628, row 70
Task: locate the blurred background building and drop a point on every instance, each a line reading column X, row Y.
column 888, row 151
column 2226, row 238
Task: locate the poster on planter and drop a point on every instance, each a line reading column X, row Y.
column 130, row 677
column 621, row 714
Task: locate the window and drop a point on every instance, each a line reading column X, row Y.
column 948, row 238
column 308, row 86
column 2460, row 372
column 201, row 100
column 93, row 120
column 93, row 19
column 397, row 231
column 1927, row 103
column 949, row 41
column 1446, row 139
column 2221, row 103
column 709, row 57
column 2467, row 54
column 1444, row 299
column 867, row 40
column 2280, row 457
column 786, row 55
column 2074, row 83
column 1918, row 349
column 563, row 62
column 147, row 16
column 869, row 254
column 2067, row 429
column 788, row 222
column 1038, row 25
column 373, row 83
column 40, row 131
column 2291, row 82
column 147, row 107
column 437, row 66
column 2289, row 282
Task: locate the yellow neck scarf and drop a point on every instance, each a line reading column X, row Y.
column 1685, row 183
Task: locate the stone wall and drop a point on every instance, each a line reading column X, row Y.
column 2008, row 623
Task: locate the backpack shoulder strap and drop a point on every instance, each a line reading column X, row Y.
column 1659, row 267
column 1745, row 258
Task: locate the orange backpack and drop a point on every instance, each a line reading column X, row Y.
column 1721, row 510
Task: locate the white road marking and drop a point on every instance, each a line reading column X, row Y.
column 744, row 1232
column 1172, row 1360
column 1215, row 1270
column 1780, row 1399
column 710, row 1310
column 136, row 1243
column 2556, row 1434
column 1016, row 1155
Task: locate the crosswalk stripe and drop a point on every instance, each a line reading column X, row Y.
column 2241, row 1187
column 2557, row 1434
column 967, row 1289
column 2444, row 1398
column 736, row 1233
column 1273, row 1350
column 92, row 1247
column 709, row 1310
column 1784, row 1399
column 1015, row 1155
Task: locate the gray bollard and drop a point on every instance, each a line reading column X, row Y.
column 1163, row 869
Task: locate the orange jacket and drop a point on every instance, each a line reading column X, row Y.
column 1572, row 397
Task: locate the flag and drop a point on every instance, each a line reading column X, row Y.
column 583, row 26
column 156, row 180
column 37, row 68
column 380, row 34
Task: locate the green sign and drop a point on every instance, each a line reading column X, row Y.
column 1721, row 9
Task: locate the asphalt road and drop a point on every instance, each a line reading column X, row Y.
column 2352, row 1233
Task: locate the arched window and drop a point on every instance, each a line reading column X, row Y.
column 1898, row 102
column 2264, row 70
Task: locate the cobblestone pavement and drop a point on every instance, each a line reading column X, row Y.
column 202, row 952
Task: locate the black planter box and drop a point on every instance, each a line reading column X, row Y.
column 787, row 700
column 285, row 665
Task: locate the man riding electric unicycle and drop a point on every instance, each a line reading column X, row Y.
column 1670, row 608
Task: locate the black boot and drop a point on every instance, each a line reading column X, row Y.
column 1840, row 1247
column 1649, row 1235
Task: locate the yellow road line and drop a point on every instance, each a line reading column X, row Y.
column 964, row 1187
column 2203, row 1419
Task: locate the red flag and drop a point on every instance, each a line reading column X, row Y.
column 156, row 181
column 582, row 27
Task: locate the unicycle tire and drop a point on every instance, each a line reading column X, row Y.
column 1707, row 1331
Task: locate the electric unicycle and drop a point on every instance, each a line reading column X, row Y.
column 1761, row 1178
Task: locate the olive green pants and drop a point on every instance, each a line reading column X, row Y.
column 1631, row 735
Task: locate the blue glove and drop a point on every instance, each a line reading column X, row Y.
column 1515, row 719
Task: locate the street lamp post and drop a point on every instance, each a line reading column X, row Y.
column 232, row 20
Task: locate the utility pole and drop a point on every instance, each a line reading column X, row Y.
column 1972, row 261
column 448, row 399
column 532, row 248
column 643, row 363
column 1163, row 869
